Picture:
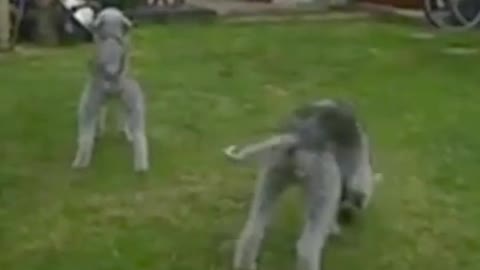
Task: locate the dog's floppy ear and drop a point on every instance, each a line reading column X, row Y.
column 127, row 24
column 127, row 21
column 97, row 23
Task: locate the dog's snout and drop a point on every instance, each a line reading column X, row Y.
column 354, row 198
column 111, row 69
column 353, row 202
column 358, row 199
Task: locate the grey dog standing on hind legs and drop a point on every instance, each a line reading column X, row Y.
column 110, row 78
column 325, row 150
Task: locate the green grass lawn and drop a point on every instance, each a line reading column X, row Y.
column 212, row 85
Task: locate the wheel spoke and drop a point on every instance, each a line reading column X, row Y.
column 452, row 14
column 466, row 11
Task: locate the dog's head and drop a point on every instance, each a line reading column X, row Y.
column 111, row 22
column 356, row 196
column 110, row 29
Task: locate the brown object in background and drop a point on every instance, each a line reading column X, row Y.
column 46, row 15
column 4, row 25
column 260, row 1
column 410, row 4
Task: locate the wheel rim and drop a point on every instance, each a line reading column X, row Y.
column 468, row 20
column 440, row 14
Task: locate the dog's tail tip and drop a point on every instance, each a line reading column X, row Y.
column 229, row 151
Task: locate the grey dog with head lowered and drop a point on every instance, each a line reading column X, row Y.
column 325, row 150
column 109, row 78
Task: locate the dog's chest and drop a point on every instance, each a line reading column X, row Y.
column 108, row 88
column 111, row 87
column 106, row 84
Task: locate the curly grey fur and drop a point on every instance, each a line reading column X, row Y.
column 323, row 149
column 110, row 78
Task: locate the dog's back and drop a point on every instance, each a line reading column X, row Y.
column 326, row 125
column 331, row 126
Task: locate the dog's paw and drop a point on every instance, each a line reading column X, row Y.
column 239, row 266
column 335, row 229
column 128, row 134
column 79, row 164
column 141, row 170
column 141, row 167
column 245, row 256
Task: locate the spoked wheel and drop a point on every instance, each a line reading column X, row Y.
column 439, row 14
column 467, row 12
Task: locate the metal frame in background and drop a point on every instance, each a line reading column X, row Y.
column 472, row 18
column 452, row 14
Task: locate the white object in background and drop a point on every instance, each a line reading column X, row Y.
column 84, row 15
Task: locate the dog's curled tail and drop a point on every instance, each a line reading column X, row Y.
column 257, row 150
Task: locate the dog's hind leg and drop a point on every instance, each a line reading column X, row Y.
column 88, row 110
column 135, row 104
column 271, row 183
column 322, row 187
